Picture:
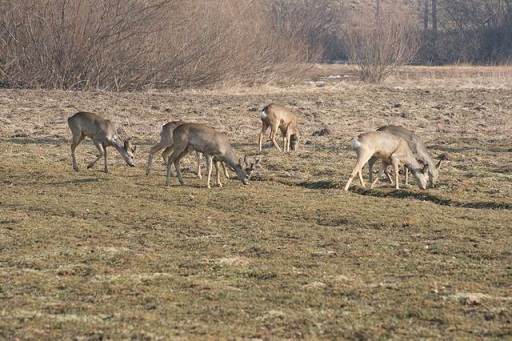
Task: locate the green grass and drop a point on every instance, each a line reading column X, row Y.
column 93, row 255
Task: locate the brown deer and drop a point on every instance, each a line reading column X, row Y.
column 166, row 144
column 391, row 150
column 197, row 137
column 278, row 117
column 417, row 148
column 102, row 133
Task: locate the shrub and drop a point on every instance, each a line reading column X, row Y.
column 379, row 44
column 133, row 44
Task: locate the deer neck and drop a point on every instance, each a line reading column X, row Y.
column 413, row 165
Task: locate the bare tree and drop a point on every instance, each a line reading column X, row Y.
column 425, row 17
column 133, row 44
column 434, row 25
column 378, row 46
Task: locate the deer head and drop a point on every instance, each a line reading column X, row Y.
column 127, row 152
column 250, row 166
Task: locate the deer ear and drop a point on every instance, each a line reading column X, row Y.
column 439, row 164
column 134, row 149
column 258, row 160
column 441, row 158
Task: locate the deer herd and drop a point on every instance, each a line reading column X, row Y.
column 392, row 145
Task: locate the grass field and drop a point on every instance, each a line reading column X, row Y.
column 92, row 256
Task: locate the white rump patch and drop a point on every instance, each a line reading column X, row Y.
column 263, row 115
column 355, row 143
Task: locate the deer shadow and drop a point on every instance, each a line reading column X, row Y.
column 76, row 181
column 55, row 141
column 405, row 194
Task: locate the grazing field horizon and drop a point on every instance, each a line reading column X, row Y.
column 90, row 255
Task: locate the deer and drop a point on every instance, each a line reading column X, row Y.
column 102, row 132
column 166, row 142
column 214, row 145
column 391, row 150
column 418, row 149
column 278, row 117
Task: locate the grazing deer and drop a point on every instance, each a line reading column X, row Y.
column 201, row 138
column 166, row 144
column 277, row 117
column 101, row 131
column 417, row 148
column 391, row 150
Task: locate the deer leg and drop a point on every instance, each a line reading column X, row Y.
column 198, row 158
column 76, row 141
column 388, row 174
column 360, row 173
column 362, row 159
column 218, row 173
column 226, row 174
column 174, row 159
column 168, row 172
column 288, row 138
column 379, row 175
column 352, row 176
column 156, row 148
column 273, row 137
column 264, row 128
column 209, row 160
column 371, row 162
column 105, row 158
column 101, row 151
column 406, row 176
column 177, row 166
column 395, row 162
column 165, row 155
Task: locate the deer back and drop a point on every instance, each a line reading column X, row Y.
column 166, row 134
column 91, row 125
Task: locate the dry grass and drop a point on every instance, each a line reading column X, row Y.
column 450, row 76
column 91, row 255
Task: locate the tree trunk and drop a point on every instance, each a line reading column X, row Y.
column 425, row 17
column 434, row 20
column 433, row 45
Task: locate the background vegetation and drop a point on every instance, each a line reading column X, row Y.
column 135, row 44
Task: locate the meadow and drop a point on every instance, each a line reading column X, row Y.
column 91, row 256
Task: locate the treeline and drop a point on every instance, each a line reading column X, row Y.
column 136, row 44
column 473, row 31
column 450, row 31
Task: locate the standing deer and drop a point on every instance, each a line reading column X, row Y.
column 201, row 138
column 391, row 150
column 417, row 148
column 277, row 117
column 102, row 133
column 166, row 144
